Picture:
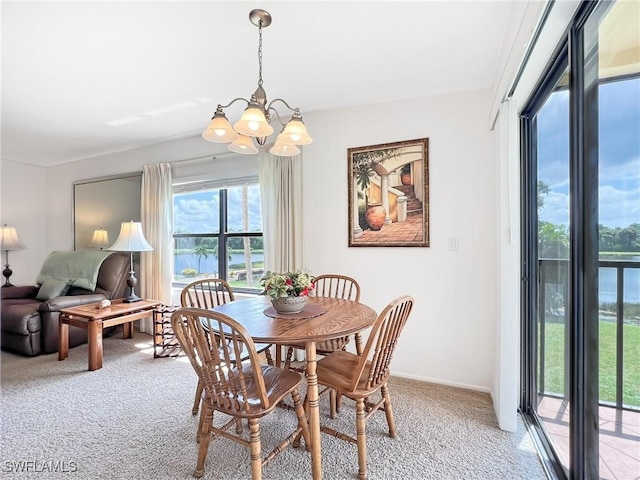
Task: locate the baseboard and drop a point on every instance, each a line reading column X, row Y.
column 440, row 381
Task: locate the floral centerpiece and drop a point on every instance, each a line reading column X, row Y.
column 289, row 290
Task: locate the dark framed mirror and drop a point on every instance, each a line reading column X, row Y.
column 104, row 203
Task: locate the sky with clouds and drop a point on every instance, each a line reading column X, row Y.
column 619, row 153
column 198, row 212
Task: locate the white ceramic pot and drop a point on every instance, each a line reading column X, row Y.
column 289, row 304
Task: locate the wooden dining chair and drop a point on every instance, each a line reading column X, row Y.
column 244, row 390
column 360, row 376
column 208, row 294
column 333, row 286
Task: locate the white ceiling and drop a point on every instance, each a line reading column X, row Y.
column 82, row 79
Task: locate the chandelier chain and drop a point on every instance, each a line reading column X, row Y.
column 260, row 53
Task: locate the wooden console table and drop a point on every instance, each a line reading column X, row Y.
column 94, row 319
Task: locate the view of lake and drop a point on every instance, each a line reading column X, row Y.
column 209, row 264
column 607, row 284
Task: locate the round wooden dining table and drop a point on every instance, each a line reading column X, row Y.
column 321, row 319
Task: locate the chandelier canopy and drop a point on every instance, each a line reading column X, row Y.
column 256, row 120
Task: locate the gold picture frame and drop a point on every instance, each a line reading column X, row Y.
column 389, row 194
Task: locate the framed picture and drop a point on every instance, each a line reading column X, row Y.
column 389, row 194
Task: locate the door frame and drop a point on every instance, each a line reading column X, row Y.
column 583, row 275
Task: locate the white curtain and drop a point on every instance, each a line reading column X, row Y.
column 157, row 223
column 281, row 194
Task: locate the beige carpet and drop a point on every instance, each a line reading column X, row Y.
column 132, row 420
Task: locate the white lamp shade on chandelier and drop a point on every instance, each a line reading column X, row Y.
column 220, row 130
column 243, row 144
column 296, row 132
column 284, row 148
column 255, row 122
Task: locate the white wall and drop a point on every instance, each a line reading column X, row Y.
column 450, row 337
column 23, row 206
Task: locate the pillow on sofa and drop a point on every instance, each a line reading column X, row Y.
column 52, row 288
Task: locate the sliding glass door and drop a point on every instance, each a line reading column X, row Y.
column 581, row 248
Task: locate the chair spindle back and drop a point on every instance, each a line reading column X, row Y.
column 210, row 339
column 208, row 293
column 337, row 286
column 382, row 341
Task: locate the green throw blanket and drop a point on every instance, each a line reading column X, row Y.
column 80, row 267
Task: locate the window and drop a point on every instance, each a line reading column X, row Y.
column 218, row 234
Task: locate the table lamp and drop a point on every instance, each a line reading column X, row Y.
column 100, row 239
column 131, row 239
column 9, row 241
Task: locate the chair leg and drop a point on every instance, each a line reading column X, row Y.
column 388, row 410
column 362, row 439
column 333, row 402
column 239, row 428
column 204, row 438
column 254, row 445
column 302, row 421
column 196, row 401
column 200, row 425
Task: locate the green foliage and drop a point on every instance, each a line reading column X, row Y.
column 288, row 284
column 631, row 310
column 201, row 251
column 363, row 163
column 619, row 239
column 543, row 190
column 553, row 240
column 237, row 243
column 188, row 272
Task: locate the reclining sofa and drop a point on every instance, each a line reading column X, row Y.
column 29, row 314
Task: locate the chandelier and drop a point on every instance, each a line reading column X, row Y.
column 255, row 123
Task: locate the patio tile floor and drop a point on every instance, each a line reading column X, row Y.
column 619, row 437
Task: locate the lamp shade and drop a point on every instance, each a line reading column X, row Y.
column 243, row 144
column 131, row 239
column 10, row 239
column 100, row 238
column 219, row 130
column 296, row 132
column 253, row 123
column 284, row 148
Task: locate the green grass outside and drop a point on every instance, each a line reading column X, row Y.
column 554, row 362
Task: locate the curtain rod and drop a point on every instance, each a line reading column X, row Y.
column 211, row 156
